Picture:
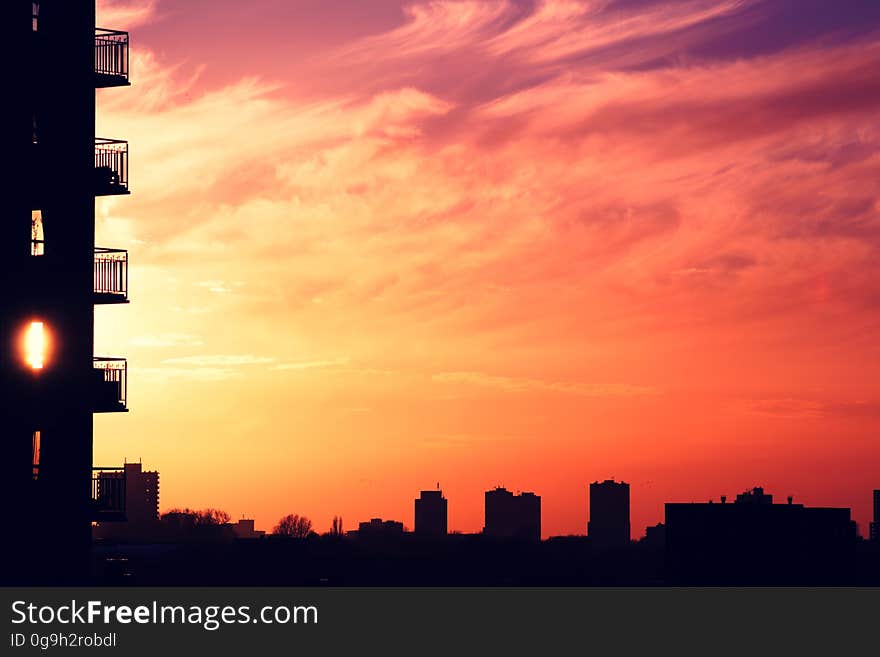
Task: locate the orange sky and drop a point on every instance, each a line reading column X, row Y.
column 377, row 246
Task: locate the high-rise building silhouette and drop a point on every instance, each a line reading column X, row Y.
column 512, row 516
column 609, row 526
column 756, row 541
column 51, row 277
column 431, row 513
column 141, row 502
column 875, row 524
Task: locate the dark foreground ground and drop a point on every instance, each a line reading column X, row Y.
column 458, row 560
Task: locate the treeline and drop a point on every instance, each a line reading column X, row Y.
column 216, row 523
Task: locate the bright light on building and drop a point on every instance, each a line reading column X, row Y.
column 35, row 345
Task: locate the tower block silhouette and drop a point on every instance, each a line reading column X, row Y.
column 51, row 277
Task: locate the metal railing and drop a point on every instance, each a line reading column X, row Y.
column 108, row 494
column 111, row 167
column 110, row 272
column 111, row 384
column 111, row 58
column 111, row 275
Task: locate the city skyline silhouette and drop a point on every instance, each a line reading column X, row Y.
column 606, row 520
column 749, row 539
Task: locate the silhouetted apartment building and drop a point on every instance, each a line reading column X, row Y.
column 512, row 516
column 51, row 277
column 378, row 528
column 140, row 504
column 246, row 528
column 756, row 541
column 875, row 524
column 431, row 513
column 608, row 526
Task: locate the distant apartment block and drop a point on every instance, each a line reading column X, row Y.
column 512, row 516
column 140, row 500
column 609, row 525
column 431, row 513
column 378, row 528
column 755, row 540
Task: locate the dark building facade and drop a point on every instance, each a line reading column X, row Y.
column 609, row 525
column 431, row 513
column 875, row 524
column 141, row 511
column 754, row 541
column 51, row 277
column 378, row 528
column 513, row 516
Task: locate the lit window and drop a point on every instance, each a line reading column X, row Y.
column 36, row 13
column 35, row 345
column 38, row 246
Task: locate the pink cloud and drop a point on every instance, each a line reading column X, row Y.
column 126, row 14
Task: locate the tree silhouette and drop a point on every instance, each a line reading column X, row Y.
column 191, row 518
column 294, row 526
column 191, row 524
column 336, row 527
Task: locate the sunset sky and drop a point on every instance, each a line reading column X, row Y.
column 380, row 244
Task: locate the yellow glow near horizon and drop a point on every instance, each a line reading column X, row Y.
column 35, row 345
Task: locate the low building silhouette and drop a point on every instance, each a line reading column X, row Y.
column 875, row 524
column 431, row 513
column 755, row 541
column 512, row 516
column 245, row 528
column 609, row 525
column 378, row 528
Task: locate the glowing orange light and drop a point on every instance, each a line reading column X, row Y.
column 35, row 345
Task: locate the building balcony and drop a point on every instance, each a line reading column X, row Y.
column 111, row 276
column 111, row 58
column 110, row 273
column 108, row 494
column 110, row 385
column 111, row 167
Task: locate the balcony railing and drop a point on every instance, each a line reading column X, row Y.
column 111, row 275
column 111, row 58
column 110, row 385
column 111, row 167
column 108, row 494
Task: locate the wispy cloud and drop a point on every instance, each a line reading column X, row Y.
column 522, row 385
column 219, row 287
column 167, row 340
column 126, row 14
column 805, row 409
column 220, row 360
column 199, row 374
column 311, row 364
